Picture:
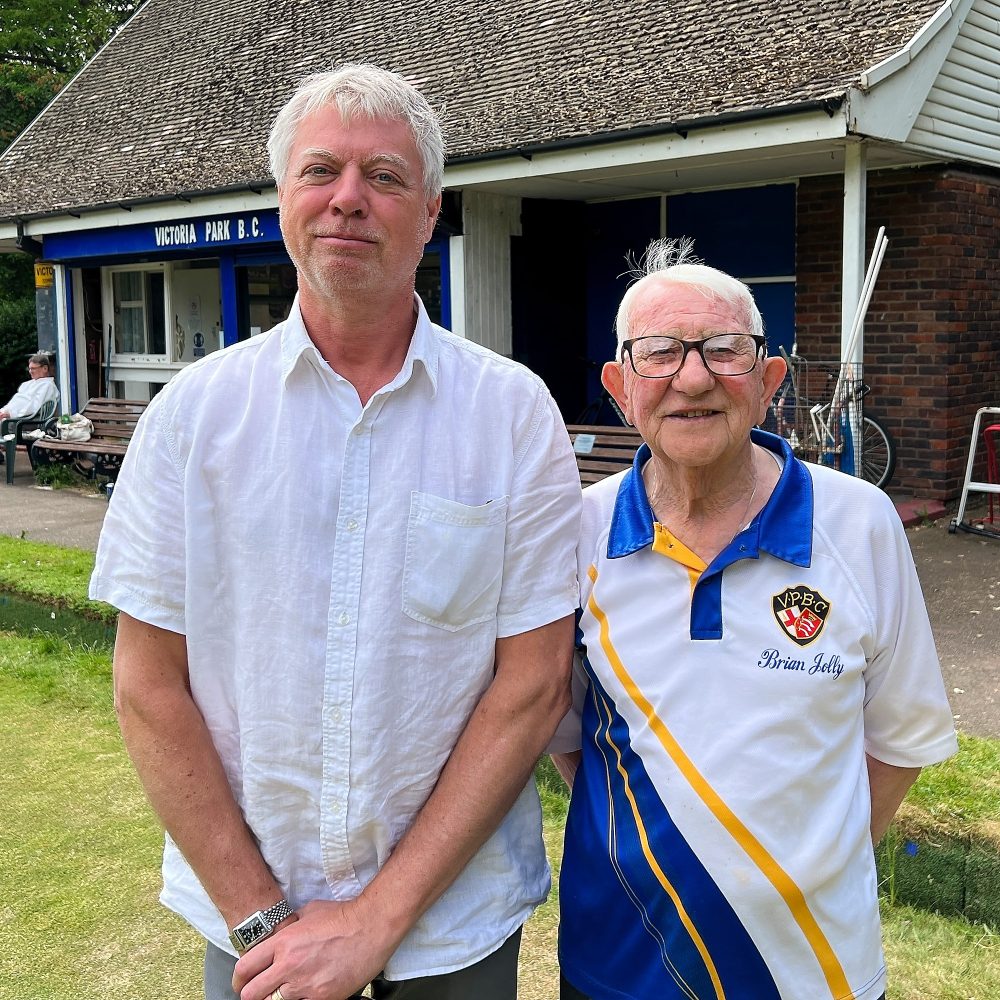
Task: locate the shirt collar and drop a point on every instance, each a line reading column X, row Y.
column 297, row 347
column 783, row 528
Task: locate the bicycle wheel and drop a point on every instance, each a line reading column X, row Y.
column 878, row 453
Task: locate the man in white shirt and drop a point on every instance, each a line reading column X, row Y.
column 344, row 556
column 32, row 395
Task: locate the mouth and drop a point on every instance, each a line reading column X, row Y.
column 693, row 414
column 346, row 239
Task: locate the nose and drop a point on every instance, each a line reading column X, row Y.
column 348, row 195
column 693, row 375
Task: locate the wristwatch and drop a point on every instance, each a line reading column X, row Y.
column 258, row 926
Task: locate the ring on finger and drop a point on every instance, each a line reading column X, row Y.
column 276, row 995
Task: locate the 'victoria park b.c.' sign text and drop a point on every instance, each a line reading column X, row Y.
column 226, row 230
column 206, row 232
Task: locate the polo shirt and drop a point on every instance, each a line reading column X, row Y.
column 342, row 574
column 718, row 839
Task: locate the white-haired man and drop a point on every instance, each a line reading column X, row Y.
column 748, row 732
column 343, row 553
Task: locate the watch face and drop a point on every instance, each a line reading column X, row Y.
column 252, row 930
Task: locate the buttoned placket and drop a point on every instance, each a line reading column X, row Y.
column 342, row 646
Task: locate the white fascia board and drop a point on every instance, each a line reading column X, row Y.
column 114, row 216
column 891, row 94
column 901, row 59
column 812, row 127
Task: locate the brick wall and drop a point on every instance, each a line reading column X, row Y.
column 932, row 334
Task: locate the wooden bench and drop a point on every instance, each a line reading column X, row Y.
column 114, row 422
column 602, row 451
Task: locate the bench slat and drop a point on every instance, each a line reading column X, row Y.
column 613, row 450
column 114, row 423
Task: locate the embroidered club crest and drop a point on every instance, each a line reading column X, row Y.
column 801, row 613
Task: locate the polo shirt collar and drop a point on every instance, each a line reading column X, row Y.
column 297, row 347
column 783, row 528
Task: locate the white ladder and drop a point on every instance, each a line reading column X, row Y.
column 974, row 487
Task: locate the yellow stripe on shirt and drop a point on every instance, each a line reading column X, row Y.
column 791, row 894
column 661, row 876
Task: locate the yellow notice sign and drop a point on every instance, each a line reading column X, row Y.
column 45, row 276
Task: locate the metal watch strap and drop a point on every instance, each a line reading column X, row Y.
column 258, row 926
column 275, row 914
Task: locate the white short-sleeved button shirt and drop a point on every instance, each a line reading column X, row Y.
column 719, row 831
column 342, row 574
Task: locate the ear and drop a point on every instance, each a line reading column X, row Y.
column 772, row 375
column 613, row 379
column 433, row 209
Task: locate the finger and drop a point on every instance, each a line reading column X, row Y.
column 252, row 964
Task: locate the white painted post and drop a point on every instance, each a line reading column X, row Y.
column 456, row 277
column 855, row 211
column 62, row 338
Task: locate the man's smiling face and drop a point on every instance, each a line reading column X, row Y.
column 354, row 213
column 693, row 418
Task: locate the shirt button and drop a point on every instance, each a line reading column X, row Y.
column 352, row 525
column 344, row 618
column 335, row 715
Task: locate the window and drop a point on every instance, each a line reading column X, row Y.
column 138, row 304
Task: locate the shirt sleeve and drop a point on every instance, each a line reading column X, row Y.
column 908, row 721
column 539, row 572
column 140, row 557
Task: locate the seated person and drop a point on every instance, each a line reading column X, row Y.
column 32, row 395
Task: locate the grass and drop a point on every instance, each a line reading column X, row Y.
column 961, row 795
column 80, row 848
column 931, row 957
column 68, row 475
column 51, row 574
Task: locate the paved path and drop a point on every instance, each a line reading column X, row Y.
column 960, row 575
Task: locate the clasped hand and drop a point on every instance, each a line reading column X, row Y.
column 331, row 952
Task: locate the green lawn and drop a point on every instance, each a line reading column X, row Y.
column 80, row 849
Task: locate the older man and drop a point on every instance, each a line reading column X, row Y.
column 343, row 553
column 32, row 395
column 758, row 684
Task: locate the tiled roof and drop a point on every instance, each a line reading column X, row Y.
column 183, row 97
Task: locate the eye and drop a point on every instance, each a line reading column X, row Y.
column 385, row 177
column 661, row 354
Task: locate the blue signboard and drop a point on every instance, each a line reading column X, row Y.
column 197, row 235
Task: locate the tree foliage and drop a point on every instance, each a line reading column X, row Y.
column 42, row 43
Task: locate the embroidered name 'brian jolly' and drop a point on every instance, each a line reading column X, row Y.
column 771, row 659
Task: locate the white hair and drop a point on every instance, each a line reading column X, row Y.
column 365, row 91
column 672, row 262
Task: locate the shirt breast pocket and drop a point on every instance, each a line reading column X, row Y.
column 453, row 567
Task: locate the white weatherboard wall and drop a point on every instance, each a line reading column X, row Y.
column 961, row 116
column 489, row 221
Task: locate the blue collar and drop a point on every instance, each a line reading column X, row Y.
column 783, row 528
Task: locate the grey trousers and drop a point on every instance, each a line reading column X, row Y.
column 494, row 978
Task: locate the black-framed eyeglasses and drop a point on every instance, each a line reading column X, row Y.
column 722, row 354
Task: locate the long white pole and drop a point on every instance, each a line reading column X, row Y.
column 874, row 265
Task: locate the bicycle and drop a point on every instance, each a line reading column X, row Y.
column 835, row 432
